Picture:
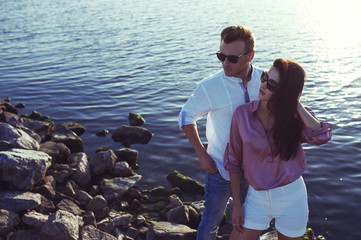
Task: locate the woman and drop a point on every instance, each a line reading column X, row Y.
column 265, row 147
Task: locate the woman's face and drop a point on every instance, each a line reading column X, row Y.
column 270, row 78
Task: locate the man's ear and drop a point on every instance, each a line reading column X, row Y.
column 250, row 56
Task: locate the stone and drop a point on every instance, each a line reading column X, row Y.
column 128, row 155
column 115, row 188
column 46, row 206
column 11, row 137
column 83, row 197
column 128, row 135
column 69, row 206
column 99, row 206
column 69, row 189
column 123, row 220
column 135, row 119
column 89, row 232
column 8, row 117
column 58, row 151
column 194, row 218
column 69, row 138
column 23, row 168
column 107, row 227
column 122, row 169
column 174, row 202
column 178, row 215
column 16, row 201
column 61, row 225
column 186, row 184
column 102, row 133
column 77, row 128
column 8, row 221
column 103, row 162
column 25, row 235
column 198, row 206
column 46, row 190
column 43, row 129
column 167, row 230
column 9, row 107
column 89, row 218
column 34, row 219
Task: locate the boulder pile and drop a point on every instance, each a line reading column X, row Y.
column 51, row 189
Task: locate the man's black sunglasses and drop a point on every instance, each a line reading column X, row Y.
column 271, row 84
column 231, row 58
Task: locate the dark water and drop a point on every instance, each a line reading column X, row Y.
column 93, row 62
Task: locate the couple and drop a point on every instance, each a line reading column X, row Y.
column 255, row 127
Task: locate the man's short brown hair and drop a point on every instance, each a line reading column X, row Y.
column 239, row 32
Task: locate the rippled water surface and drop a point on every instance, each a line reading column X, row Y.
column 95, row 61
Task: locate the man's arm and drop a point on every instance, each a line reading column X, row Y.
column 205, row 160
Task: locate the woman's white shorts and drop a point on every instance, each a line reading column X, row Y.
column 287, row 204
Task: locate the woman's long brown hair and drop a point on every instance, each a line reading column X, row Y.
column 283, row 104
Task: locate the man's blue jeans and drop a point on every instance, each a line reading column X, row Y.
column 217, row 193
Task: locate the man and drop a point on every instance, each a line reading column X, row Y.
column 219, row 95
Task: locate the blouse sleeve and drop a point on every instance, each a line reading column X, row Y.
column 317, row 136
column 232, row 160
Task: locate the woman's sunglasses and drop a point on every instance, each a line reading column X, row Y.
column 271, row 84
column 231, row 58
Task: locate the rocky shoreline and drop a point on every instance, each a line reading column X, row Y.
column 50, row 189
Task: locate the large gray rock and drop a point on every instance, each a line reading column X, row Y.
column 23, row 168
column 167, row 230
column 103, row 162
column 115, row 188
column 58, row 151
column 11, row 137
column 19, row 201
column 128, row 135
column 82, row 175
column 69, row 138
column 61, row 225
column 99, row 206
column 178, row 215
column 8, row 220
column 89, row 232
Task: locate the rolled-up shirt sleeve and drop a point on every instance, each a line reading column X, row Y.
column 232, row 159
column 197, row 105
column 317, row 136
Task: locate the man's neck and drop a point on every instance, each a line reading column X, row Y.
column 247, row 76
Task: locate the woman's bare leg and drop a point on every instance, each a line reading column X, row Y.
column 247, row 234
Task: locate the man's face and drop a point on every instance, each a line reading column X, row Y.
column 235, row 48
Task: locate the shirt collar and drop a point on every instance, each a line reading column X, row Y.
column 240, row 79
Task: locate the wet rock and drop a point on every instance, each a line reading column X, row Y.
column 11, row 137
column 8, row 221
column 99, row 206
column 115, row 188
column 135, row 119
column 128, row 155
column 186, row 184
column 23, row 168
column 61, row 225
column 122, row 169
column 103, row 162
column 69, row 138
column 20, row 105
column 34, row 219
column 9, row 107
column 167, row 230
column 102, row 133
column 89, row 232
column 128, row 135
column 77, row 128
column 16, row 201
column 58, row 151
